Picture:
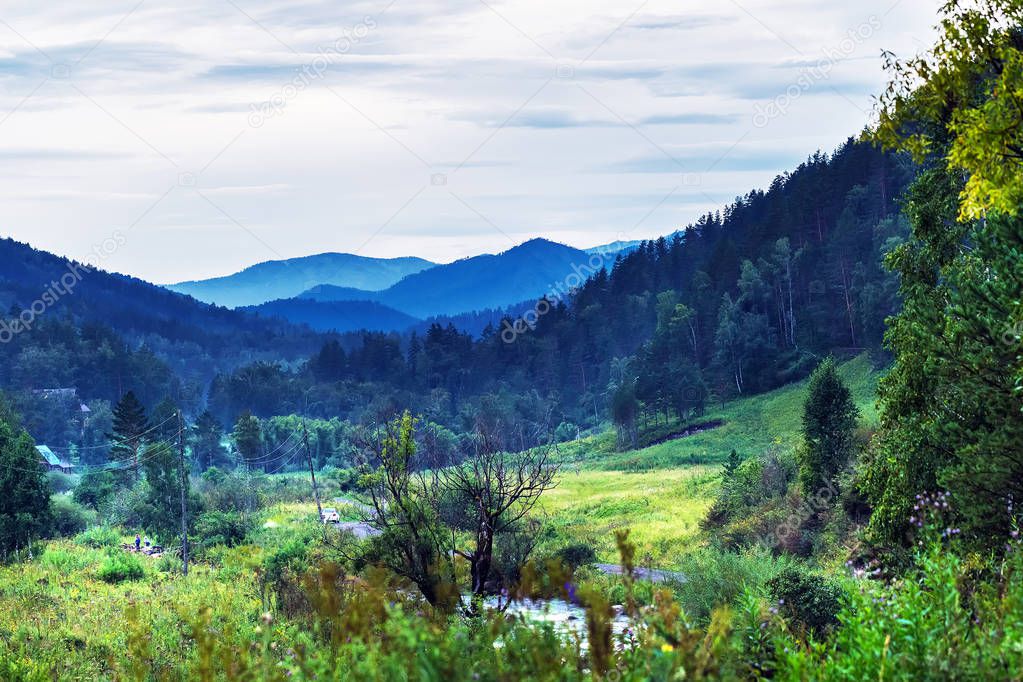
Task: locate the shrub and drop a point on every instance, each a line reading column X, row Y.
column 347, row 480
column 61, row 482
column 68, row 517
column 95, row 488
column 121, row 566
column 714, row 577
column 168, row 563
column 565, row 432
column 807, row 598
column 236, row 491
column 221, row 528
column 576, row 555
column 99, row 537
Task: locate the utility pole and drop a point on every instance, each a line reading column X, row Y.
column 312, row 472
column 184, row 493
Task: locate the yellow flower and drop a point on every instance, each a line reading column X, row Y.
column 667, row 648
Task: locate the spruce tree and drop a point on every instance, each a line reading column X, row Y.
column 128, row 437
column 829, row 424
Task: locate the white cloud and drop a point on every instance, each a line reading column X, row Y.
column 314, row 125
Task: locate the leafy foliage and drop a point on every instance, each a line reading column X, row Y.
column 808, row 599
column 24, row 489
column 120, row 567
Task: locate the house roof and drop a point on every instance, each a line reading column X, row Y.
column 47, row 455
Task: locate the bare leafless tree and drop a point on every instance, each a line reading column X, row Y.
column 427, row 518
column 501, row 489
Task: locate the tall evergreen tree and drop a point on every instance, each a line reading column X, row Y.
column 829, row 424
column 128, row 437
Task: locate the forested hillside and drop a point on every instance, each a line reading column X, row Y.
column 742, row 301
column 65, row 324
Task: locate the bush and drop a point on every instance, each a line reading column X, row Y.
column 576, row 555
column 61, row 482
column 808, row 599
column 715, row 577
column 99, row 537
column 221, row 528
column 69, row 517
column 95, row 488
column 566, row 432
column 121, row 566
column 347, row 480
column 236, row 491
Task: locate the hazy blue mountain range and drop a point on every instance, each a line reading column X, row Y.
column 282, row 279
column 528, row 271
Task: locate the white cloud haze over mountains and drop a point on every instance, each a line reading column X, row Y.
column 214, row 134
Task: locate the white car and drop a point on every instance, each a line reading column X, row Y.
column 330, row 515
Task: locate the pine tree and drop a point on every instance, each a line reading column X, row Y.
column 128, row 438
column 829, row 424
column 24, row 490
column 732, row 464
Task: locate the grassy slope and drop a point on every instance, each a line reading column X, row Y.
column 661, row 492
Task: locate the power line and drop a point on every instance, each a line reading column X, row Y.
column 110, row 445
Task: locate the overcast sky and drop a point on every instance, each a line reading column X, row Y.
column 203, row 136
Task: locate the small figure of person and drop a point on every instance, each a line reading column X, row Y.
column 138, row 542
column 147, row 545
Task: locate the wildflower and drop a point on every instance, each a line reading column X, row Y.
column 667, row 648
column 268, row 618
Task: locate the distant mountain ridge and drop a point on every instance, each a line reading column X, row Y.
column 472, row 291
column 283, row 279
column 337, row 316
column 528, row 271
